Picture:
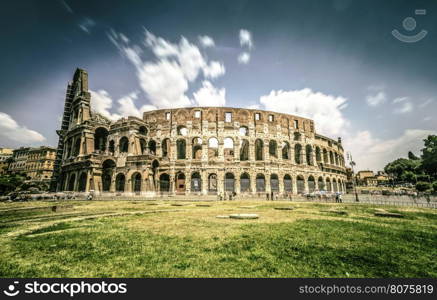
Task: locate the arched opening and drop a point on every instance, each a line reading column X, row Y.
column 274, row 183
column 77, row 147
column 297, row 136
column 300, row 182
column 212, row 147
column 111, row 147
column 260, row 183
column 143, row 146
column 340, row 186
column 82, row 182
column 309, row 155
column 297, row 154
column 244, row 150
column 165, row 146
column 318, row 155
column 196, row 182
column 120, row 181
column 197, row 148
column 229, row 182
column 336, row 159
column 142, row 130
column 152, row 147
column 311, row 184
column 331, row 158
column 325, row 156
column 320, row 184
column 288, row 186
column 136, row 182
column 182, row 130
column 68, row 148
column 71, row 182
column 164, row 183
column 100, row 139
column 244, row 131
column 259, row 149
column 180, row 183
column 212, row 183
column 328, row 185
column 123, row 145
column 228, row 146
column 285, row 150
column 107, row 171
column 181, row 146
column 244, row 183
column 334, row 185
column 273, row 149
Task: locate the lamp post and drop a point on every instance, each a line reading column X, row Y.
column 352, row 164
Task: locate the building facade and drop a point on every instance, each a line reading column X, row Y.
column 19, row 159
column 5, row 156
column 40, row 163
column 200, row 150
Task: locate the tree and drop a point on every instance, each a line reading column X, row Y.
column 398, row 167
column 422, row 186
column 408, row 176
column 434, row 186
column 9, row 183
column 412, row 156
column 429, row 156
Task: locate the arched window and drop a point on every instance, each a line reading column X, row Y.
column 212, row 183
column 136, row 182
column 182, row 130
column 152, row 147
column 318, row 154
column 228, row 148
column 111, row 147
column 260, row 183
column 181, row 146
column 77, row 147
column 311, row 184
column 120, row 181
column 285, row 150
column 297, row 154
column 71, row 182
column 273, row 149
column 124, row 144
column 244, row 150
column 331, row 158
column 164, row 182
column 300, row 181
column 244, row 183
column 309, row 154
column 142, row 130
column 229, row 182
column 82, row 182
column 288, row 187
column 180, row 183
column 334, row 183
column 325, row 156
column 274, row 183
column 100, row 137
column 143, row 145
column 196, row 182
column 259, row 149
column 212, row 147
column 244, row 131
column 321, row 184
column 328, row 185
column 197, row 148
column 165, row 146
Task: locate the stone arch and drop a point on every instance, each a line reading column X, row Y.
column 120, row 181
column 152, row 147
column 100, row 139
column 213, row 147
column 285, row 150
column 71, row 182
column 297, row 153
column 136, row 182
column 142, row 130
column 229, row 182
column 111, row 147
column 196, row 148
column 318, row 154
column 331, row 158
column 300, row 182
column 182, row 130
column 244, row 182
column 77, row 146
column 180, row 182
column 320, row 183
column 325, row 156
column 260, row 183
column 181, row 149
column 297, row 136
column 328, row 185
column 123, row 144
column 259, row 149
column 164, row 182
column 212, row 183
column 143, row 145
column 243, row 131
column 274, row 183
column 273, row 149
column 196, row 182
column 165, row 146
column 244, row 150
column 309, row 155
column 108, row 168
column 334, row 185
column 288, row 184
column 311, row 184
column 82, row 182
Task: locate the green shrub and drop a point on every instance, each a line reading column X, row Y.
column 434, row 186
column 422, row 186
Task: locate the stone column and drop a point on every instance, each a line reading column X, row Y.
column 294, row 184
column 204, row 177
column 306, row 184
column 237, row 187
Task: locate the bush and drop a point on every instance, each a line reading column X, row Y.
column 422, row 186
column 434, row 186
column 422, row 177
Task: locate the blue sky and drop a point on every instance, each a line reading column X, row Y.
column 334, row 61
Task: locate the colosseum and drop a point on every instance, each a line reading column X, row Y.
column 198, row 150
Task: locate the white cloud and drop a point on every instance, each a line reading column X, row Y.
column 167, row 80
column 12, row 132
column 373, row 153
column 244, row 58
column 101, row 103
column 376, row 99
column 208, row 95
column 127, row 106
column 86, row 24
column 399, row 100
column 246, row 38
column 405, row 107
column 325, row 110
column 426, row 103
column 206, row 41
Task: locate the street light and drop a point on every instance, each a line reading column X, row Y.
column 352, row 164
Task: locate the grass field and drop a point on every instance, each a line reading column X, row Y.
column 158, row 239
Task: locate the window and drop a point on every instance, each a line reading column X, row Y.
column 271, row 118
column 296, row 124
column 257, row 116
column 197, row 114
column 167, row 115
column 228, row 117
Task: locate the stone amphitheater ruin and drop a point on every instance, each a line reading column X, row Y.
column 199, row 150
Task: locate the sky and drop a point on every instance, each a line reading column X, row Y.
column 334, row 61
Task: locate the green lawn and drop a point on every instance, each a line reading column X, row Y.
column 136, row 239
